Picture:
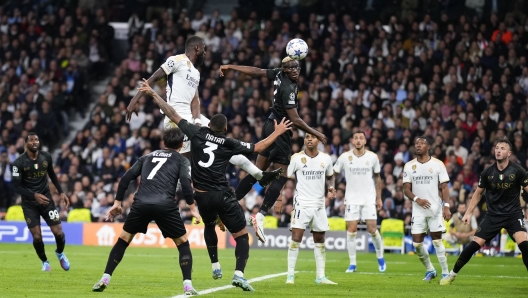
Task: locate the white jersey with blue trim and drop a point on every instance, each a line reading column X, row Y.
column 182, row 81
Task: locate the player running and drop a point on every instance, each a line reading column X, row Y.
column 154, row 200
column 30, row 177
column 421, row 178
column 210, row 155
column 503, row 182
column 362, row 197
column 312, row 169
column 284, row 106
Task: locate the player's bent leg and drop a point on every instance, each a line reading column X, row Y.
column 378, row 243
column 293, row 253
column 211, row 241
column 463, row 258
column 245, row 164
column 247, row 183
column 320, row 259
column 115, row 257
column 186, row 262
column 242, row 255
column 38, row 244
column 60, row 239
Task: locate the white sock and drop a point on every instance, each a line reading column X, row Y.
column 239, row 273
column 187, row 282
column 441, row 254
column 215, row 265
column 320, row 259
column 378, row 244
column 452, row 273
column 293, row 252
column 423, row 255
column 242, row 162
column 351, row 245
column 107, row 276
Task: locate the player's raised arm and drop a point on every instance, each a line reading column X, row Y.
column 280, row 128
column 169, row 111
column 299, row 123
column 133, row 106
column 247, row 70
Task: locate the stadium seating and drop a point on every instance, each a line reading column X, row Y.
column 80, row 215
column 15, row 213
column 393, row 231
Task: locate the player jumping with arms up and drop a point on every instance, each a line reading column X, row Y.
column 362, row 196
column 154, row 200
column 421, row 178
column 30, row 177
column 284, row 106
column 502, row 182
column 313, row 171
column 210, row 156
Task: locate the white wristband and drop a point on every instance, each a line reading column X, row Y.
column 197, row 120
column 447, row 205
column 415, row 198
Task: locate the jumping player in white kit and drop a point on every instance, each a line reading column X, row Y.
column 362, row 197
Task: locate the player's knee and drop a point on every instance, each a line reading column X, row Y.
column 181, row 240
column 351, row 234
column 295, row 244
column 418, row 245
column 437, row 243
column 37, row 237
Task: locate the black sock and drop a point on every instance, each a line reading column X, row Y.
column 272, row 194
column 523, row 247
column 185, row 260
column 242, row 252
column 116, row 255
column 245, row 186
column 211, row 240
column 465, row 255
column 61, row 241
column 39, row 248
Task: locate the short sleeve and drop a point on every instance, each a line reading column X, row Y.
column 188, row 129
column 240, row 147
column 338, row 165
column 406, row 174
column 17, row 170
column 289, row 98
column 272, row 73
column 171, row 65
column 483, row 182
column 292, row 168
column 524, row 178
column 136, row 168
column 377, row 167
column 329, row 168
column 443, row 176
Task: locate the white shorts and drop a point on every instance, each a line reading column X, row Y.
column 315, row 218
column 167, row 123
column 424, row 224
column 363, row 212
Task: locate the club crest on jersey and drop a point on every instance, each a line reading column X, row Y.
column 45, row 164
column 512, row 177
column 322, row 165
column 35, row 166
column 303, row 159
column 430, row 170
column 414, row 168
column 490, row 177
column 501, row 176
column 367, row 163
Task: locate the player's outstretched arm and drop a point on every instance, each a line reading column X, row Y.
column 280, row 128
column 163, row 105
column 133, row 106
column 129, row 176
column 299, row 123
column 247, row 70
column 475, row 199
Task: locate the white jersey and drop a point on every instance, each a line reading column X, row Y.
column 311, row 173
column 182, row 81
column 359, row 172
column 425, row 179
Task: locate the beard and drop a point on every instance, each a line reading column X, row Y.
column 200, row 59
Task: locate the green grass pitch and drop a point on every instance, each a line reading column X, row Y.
column 153, row 272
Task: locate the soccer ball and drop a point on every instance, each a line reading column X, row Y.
column 297, row 49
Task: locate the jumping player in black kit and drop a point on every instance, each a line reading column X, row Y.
column 502, row 182
column 211, row 151
column 155, row 200
column 30, row 177
column 284, row 106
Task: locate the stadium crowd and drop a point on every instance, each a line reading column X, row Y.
column 455, row 71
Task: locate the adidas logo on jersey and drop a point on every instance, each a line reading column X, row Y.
column 305, row 166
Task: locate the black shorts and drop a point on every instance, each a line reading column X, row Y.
column 281, row 150
column 223, row 204
column 491, row 225
column 167, row 217
column 33, row 211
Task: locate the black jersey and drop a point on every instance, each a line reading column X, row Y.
column 503, row 188
column 160, row 171
column 284, row 93
column 31, row 176
column 210, row 156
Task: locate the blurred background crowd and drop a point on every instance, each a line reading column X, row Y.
column 455, row 71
